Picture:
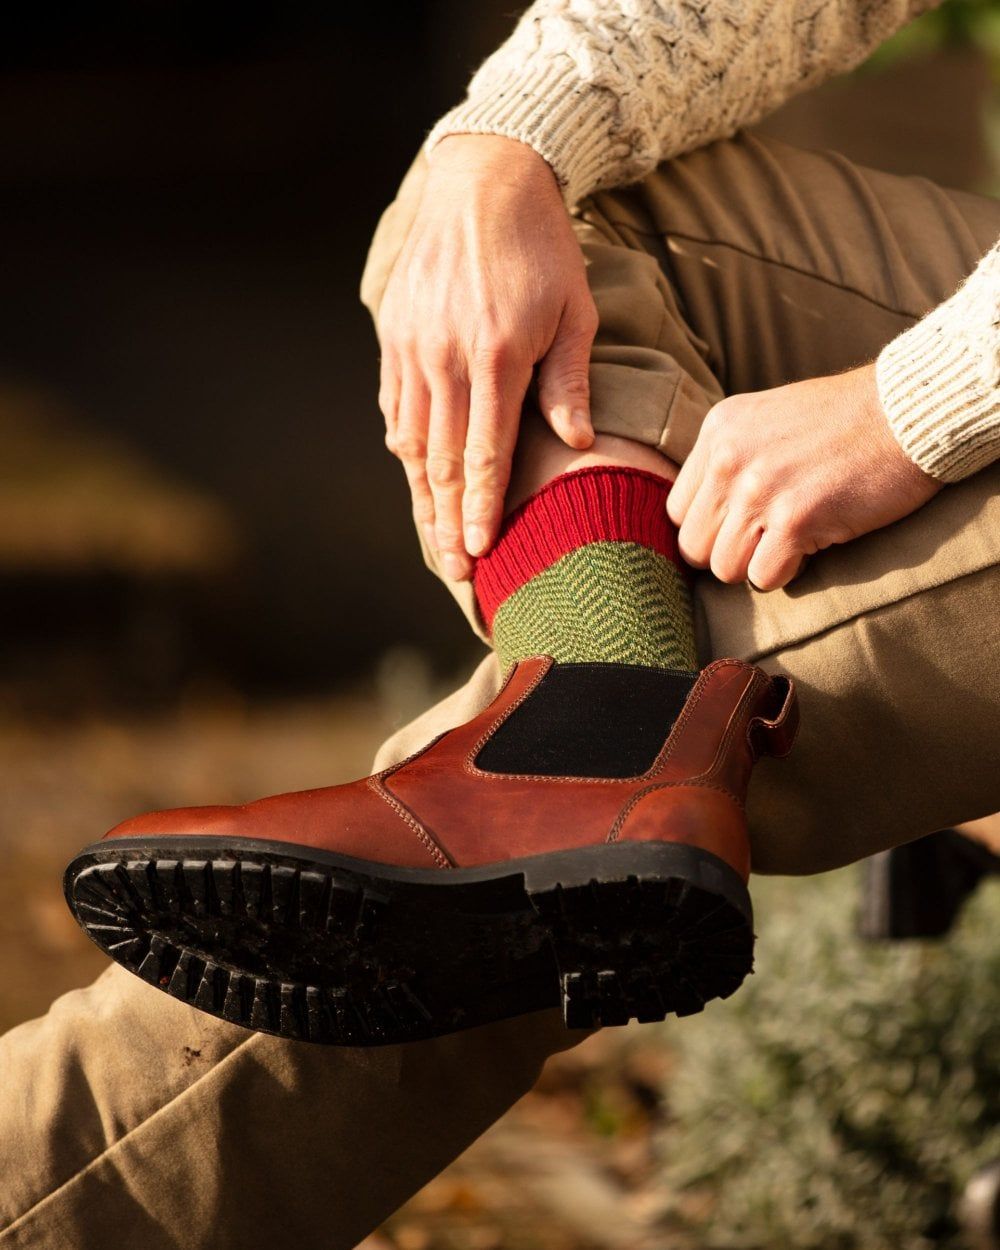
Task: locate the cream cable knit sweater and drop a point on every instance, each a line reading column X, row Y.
column 606, row 89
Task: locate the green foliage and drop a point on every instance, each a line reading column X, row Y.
column 842, row 1098
column 956, row 23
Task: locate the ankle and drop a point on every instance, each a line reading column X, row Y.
column 541, row 456
column 586, row 570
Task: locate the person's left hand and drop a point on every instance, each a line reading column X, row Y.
column 777, row 475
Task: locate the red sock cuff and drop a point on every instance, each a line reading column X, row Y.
column 602, row 504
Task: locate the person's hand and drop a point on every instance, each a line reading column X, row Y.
column 777, row 475
column 490, row 282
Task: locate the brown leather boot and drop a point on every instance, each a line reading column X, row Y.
column 581, row 842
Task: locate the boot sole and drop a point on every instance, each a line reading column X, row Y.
column 319, row 947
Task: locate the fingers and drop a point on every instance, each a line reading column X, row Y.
column 455, row 427
column 497, row 396
column 686, row 486
column 490, row 270
column 564, row 375
column 703, row 518
column 449, row 415
column 410, row 441
column 726, row 536
column 726, row 522
column 388, row 396
column 734, row 546
column 738, row 546
column 776, row 561
column 456, row 441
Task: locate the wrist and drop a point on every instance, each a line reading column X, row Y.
column 882, row 425
column 469, row 152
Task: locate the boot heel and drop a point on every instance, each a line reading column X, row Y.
column 644, row 931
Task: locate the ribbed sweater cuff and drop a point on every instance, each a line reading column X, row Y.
column 568, row 123
column 944, row 412
column 585, row 506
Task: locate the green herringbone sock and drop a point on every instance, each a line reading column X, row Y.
column 588, row 570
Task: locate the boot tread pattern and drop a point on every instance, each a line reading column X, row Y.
column 114, row 902
column 308, row 946
column 643, row 949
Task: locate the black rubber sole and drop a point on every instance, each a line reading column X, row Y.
column 323, row 948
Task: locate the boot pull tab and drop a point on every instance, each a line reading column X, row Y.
column 772, row 732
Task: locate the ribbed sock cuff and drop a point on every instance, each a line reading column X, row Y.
column 602, row 504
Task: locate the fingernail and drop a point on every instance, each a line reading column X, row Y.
column 454, row 567
column 580, row 422
column 475, row 539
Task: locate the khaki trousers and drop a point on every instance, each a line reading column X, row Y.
column 130, row 1120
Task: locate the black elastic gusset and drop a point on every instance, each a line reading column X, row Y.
column 589, row 720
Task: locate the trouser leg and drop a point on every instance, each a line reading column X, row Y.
column 748, row 264
column 893, row 643
column 790, row 264
column 129, row 1120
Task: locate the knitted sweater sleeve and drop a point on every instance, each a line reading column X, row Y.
column 939, row 381
column 606, row 89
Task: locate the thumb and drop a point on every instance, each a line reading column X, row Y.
column 564, row 376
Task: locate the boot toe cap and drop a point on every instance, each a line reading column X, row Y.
column 178, row 822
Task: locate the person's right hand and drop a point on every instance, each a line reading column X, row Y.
column 490, row 282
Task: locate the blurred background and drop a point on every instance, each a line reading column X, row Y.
column 209, row 588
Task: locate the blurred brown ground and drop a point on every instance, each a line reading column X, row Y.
column 208, row 586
